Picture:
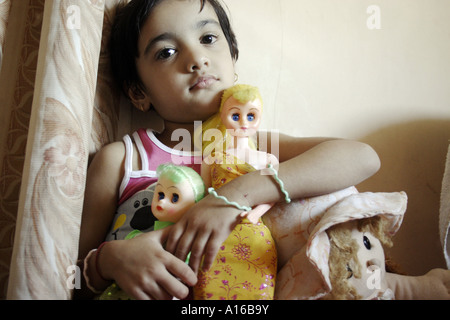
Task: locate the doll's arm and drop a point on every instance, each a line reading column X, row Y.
column 257, row 212
column 433, row 285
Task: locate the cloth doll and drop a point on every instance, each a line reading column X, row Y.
column 307, row 274
column 177, row 189
column 316, row 272
column 246, row 265
column 357, row 261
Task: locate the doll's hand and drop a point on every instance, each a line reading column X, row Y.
column 257, row 212
column 432, row 286
column 437, row 284
column 144, row 269
column 201, row 231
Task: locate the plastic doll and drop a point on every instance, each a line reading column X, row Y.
column 246, row 265
column 177, row 189
column 238, row 120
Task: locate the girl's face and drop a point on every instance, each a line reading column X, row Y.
column 242, row 119
column 171, row 200
column 184, row 61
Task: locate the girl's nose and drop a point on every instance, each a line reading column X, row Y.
column 196, row 60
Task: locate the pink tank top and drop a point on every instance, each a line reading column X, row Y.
column 136, row 190
column 152, row 153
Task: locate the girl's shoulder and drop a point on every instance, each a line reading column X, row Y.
column 114, row 151
column 110, row 157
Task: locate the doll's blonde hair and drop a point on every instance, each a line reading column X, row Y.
column 343, row 260
column 243, row 93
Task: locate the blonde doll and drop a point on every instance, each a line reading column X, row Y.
column 246, row 265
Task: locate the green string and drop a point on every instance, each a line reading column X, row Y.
column 214, row 193
column 277, row 179
column 235, row 204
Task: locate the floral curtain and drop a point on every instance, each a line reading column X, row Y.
column 58, row 108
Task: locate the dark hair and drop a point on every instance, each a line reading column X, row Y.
column 125, row 31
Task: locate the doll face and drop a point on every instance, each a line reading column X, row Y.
column 171, row 200
column 372, row 263
column 242, row 119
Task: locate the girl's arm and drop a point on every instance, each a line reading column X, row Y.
column 140, row 266
column 308, row 167
column 311, row 167
column 102, row 187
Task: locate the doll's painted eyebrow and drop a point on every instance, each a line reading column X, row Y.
column 170, row 36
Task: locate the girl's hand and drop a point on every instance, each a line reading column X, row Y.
column 144, row 269
column 202, row 230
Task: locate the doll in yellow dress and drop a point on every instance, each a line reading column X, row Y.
column 246, row 265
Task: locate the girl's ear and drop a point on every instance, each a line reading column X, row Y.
column 139, row 98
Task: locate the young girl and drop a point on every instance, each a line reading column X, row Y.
column 177, row 57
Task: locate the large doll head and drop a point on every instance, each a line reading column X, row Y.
column 343, row 257
column 178, row 188
column 357, row 260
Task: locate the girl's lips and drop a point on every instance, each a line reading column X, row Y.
column 159, row 208
column 203, row 82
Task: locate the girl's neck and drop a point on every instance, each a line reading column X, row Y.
column 170, row 127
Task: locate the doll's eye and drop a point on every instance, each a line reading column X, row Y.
column 366, row 242
column 144, row 201
column 136, row 204
column 250, row 117
column 161, row 195
column 350, row 271
column 175, row 198
column 235, row 117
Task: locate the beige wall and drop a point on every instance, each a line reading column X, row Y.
column 324, row 72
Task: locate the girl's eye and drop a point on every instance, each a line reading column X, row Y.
column 235, row 117
column 175, row 198
column 250, row 117
column 165, row 53
column 208, row 39
column 161, row 195
column 366, row 242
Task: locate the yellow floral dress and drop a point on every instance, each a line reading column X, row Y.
column 245, row 267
